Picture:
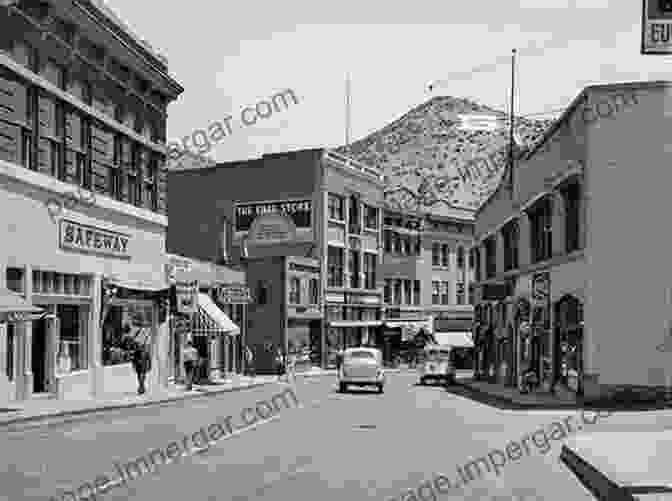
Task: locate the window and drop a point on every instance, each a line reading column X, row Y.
column 418, row 246
column 445, row 254
column 25, row 54
column 408, row 251
column 408, row 292
column 335, row 207
column 387, row 291
column 477, row 263
column 472, row 292
column 262, row 293
column 335, row 267
column 72, row 350
column 397, row 244
column 572, row 198
column 371, row 217
column 9, row 360
column 471, row 259
column 53, row 73
column 295, row 290
column 510, row 238
column 314, row 291
column 436, row 251
column 354, row 224
column 460, row 293
column 490, row 257
column 541, row 230
column 370, row 262
column 397, row 291
column 435, row 292
column 445, row 293
column 416, row 292
column 387, row 234
column 14, row 279
column 353, row 266
column 460, row 258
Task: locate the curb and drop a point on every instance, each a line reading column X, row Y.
column 520, row 405
column 13, row 424
column 596, row 482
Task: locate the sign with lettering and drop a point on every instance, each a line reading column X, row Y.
column 299, row 212
column 89, row 239
column 271, row 229
column 657, row 27
column 233, row 294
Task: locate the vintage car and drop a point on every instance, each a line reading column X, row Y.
column 437, row 365
column 361, row 367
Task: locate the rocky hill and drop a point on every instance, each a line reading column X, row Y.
column 423, row 152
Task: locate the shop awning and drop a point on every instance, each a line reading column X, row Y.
column 14, row 308
column 138, row 285
column 413, row 324
column 456, row 339
column 210, row 320
column 355, row 323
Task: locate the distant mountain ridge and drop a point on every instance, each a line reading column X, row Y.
column 420, row 154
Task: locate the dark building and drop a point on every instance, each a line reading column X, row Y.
column 310, row 203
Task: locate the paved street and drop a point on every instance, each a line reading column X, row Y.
column 354, row 446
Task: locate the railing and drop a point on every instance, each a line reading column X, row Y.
column 350, row 163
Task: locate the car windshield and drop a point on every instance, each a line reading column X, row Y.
column 361, row 354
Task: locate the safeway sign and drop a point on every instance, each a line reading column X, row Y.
column 657, row 27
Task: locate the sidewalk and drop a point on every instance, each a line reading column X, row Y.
column 505, row 397
column 42, row 410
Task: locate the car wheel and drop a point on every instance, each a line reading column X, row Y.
column 423, row 381
column 342, row 387
column 380, row 388
column 450, row 380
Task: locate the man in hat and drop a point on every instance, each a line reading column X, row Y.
column 189, row 358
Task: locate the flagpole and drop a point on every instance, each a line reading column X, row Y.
column 513, row 81
column 347, row 112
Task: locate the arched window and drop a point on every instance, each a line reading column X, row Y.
column 314, row 292
column 460, row 258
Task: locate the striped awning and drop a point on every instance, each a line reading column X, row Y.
column 210, row 320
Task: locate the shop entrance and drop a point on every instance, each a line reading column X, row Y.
column 39, row 356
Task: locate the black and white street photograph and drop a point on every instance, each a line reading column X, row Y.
column 360, row 250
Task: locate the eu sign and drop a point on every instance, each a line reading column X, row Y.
column 657, row 27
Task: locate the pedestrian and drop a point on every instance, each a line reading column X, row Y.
column 142, row 363
column 189, row 358
column 249, row 361
column 279, row 363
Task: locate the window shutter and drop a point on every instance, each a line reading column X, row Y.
column 47, row 117
column 73, row 131
column 9, row 141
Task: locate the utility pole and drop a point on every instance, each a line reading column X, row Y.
column 347, row 112
column 513, row 81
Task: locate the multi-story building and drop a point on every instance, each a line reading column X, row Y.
column 558, row 291
column 427, row 275
column 311, row 203
column 83, row 198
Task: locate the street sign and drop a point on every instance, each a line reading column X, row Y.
column 656, row 27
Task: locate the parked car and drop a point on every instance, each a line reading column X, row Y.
column 361, row 367
column 437, row 365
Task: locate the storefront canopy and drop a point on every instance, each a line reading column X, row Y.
column 209, row 319
column 456, row 339
column 355, row 323
column 13, row 308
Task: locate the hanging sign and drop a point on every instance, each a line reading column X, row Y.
column 233, row 294
column 656, row 27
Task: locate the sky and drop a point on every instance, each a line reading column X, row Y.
column 229, row 55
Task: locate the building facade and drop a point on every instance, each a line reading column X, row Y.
column 426, row 273
column 558, row 292
column 83, row 198
column 311, row 203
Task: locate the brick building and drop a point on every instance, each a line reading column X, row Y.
column 82, row 148
column 310, row 203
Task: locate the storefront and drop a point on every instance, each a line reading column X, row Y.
column 568, row 359
column 208, row 309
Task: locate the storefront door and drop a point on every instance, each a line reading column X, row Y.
column 39, row 356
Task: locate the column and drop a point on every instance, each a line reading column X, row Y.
column 24, row 340
column 95, row 335
column 524, row 257
column 467, row 274
column 558, row 224
column 52, row 345
column 481, row 248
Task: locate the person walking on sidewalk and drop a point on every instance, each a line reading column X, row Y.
column 279, row 363
column 189, row 357
column 142, row 363
column 249, row 361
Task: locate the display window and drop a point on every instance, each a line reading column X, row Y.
column 123, row 328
